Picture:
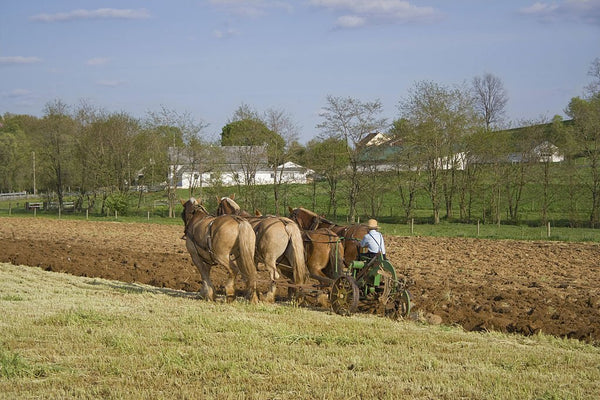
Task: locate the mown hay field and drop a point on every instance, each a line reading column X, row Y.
column 63, row 336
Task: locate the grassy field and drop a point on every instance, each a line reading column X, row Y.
column 152, row 209
column 69, row 337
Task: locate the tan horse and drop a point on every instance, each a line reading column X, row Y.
column 323, row 248
column 278, row 243
column 351, row 235
column 228, row 241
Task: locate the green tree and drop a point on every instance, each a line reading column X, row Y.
column 351, row 120
column 56, row 146
column 408, row 162
column 477, row 155
column 441, row 118
column 328, row 158
column 16, row 158
column 250, row 132
column 585, row 136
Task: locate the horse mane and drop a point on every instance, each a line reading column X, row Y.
column 232, row 204
column 320, row 217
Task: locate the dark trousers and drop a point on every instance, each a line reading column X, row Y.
column 370, row 255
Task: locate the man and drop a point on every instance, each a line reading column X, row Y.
column 373, row 240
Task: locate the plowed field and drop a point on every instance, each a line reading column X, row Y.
column 512, row 286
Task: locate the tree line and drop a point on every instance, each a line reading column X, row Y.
column 448, row 142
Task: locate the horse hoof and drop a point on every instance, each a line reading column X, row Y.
column 230, row 299
column 269, row 298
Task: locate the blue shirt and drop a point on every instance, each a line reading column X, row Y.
column 373, row 241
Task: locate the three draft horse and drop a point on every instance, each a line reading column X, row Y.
column 226, row 240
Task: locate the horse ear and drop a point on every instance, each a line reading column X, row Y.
column 291, row 209
column 232, row 196
column 218, row 199
column 257, row 213
column 182, row 202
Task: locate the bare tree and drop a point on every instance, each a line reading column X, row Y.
column 490, row 98
column 594, row 87
column 244, row 111
column 281, row 123
column 179, row 129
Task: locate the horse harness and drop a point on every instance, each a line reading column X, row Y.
column 209, row 234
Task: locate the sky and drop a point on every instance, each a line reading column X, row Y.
column 207, row 58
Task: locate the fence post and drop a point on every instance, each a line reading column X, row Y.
column 9, row 210
column 548, row 229
column 477, row 228
column 35, row 211
column 412, row 226
column 87, row 214
column 148, row 215
column 116, row 215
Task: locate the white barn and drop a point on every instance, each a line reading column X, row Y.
column 233, row 165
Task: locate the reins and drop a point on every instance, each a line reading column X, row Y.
column 209, row 231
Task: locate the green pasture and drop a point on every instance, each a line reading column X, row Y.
column 72, row 337
column 567, row 212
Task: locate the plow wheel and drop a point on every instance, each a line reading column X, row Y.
column 398, row 305
column 344, row 295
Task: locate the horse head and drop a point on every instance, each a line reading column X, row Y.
column 306, row 219
column 190, row 208
column 226, row 205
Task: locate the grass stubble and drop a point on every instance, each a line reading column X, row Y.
column 72, row 337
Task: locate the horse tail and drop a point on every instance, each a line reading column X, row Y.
column 247, row 245
column 296, row 248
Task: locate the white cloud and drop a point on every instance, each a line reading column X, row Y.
column 252, row 8
column 97, row 61
column 19, row 60
column 587, row 11
column 225, row 33
column 18, row 93
column 101, row 13
column 110, row 83
column 350, row 21
column 539, row 8
column 357, row 13
column 20, row 97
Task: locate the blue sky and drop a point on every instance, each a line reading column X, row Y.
column 206, row 58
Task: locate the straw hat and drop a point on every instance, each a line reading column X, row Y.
column 372, row 224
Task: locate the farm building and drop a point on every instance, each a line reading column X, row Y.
column 231, row 165
column 543, row 152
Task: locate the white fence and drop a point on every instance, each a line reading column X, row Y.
column 13, row 196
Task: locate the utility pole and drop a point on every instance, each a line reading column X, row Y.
column 33, row 158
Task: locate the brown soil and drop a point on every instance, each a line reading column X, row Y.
column 507, row 285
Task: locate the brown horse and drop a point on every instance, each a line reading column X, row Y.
column 227, row 241
column 324, row 254
column 278, row 243
column 351, row 235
